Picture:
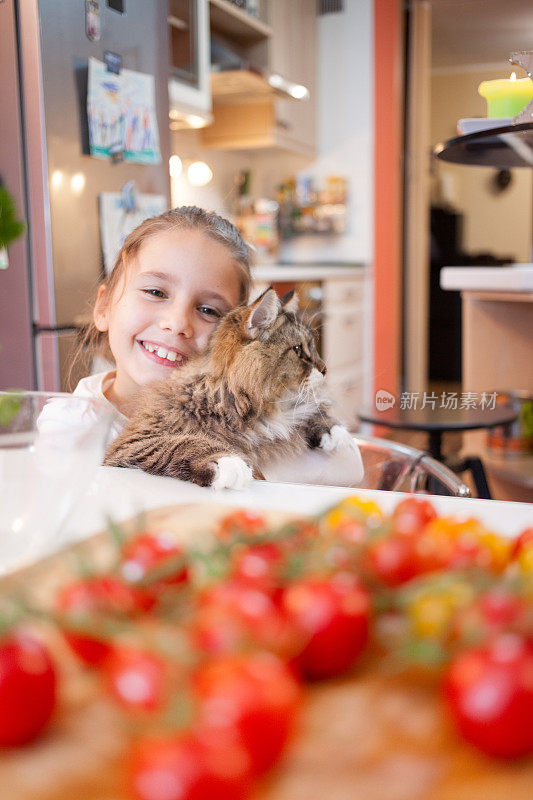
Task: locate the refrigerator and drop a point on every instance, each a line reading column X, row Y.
column 45, row 46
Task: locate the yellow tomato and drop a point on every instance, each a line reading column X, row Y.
column 525, row 559
column 359, row 504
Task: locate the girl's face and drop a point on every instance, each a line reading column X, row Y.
column 165, row 309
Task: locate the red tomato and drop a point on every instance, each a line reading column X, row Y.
column 525, row 540
column 86, row 603
column 490, row 694
column 136, row 679
column 333, row 615
column 258, row 566
column 242, row 522
column 500, row 607
column 230, row 614
column 392, row 560
column 27, row 689
column 251, row 700
column 411, row 516
column 156, row 553
column 182, row 768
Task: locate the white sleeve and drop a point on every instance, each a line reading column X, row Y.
column 344, row 467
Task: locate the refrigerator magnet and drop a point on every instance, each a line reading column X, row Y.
column 93, row 23
column 113, row 62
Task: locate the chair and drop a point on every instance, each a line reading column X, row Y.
column 395, row 467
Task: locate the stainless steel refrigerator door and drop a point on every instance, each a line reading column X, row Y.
column 67, row 252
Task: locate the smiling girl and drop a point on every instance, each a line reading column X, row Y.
column 175, row 276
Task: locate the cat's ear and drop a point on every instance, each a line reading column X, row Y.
column 263, row 314
column 289, row 302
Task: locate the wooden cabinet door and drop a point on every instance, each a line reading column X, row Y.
column 293, row 55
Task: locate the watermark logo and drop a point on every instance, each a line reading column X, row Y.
column 449, row 401
column 384, row 400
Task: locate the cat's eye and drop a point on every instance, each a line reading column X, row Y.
column 298, row 349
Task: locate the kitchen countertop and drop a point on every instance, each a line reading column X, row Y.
column 504, row 279
column 305, row 272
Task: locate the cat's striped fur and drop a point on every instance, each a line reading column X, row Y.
column 253, row 395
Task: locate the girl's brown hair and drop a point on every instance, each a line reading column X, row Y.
column 183, row 218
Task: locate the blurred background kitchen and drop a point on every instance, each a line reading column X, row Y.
column 312, row 125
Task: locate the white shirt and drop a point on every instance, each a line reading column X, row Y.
column 60, row 415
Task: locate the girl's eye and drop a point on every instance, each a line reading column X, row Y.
column 210, row 312
column 298, row 349
column 159, row 293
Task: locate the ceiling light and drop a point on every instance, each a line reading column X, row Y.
column 299, row 92
column 195, row 121
column 275, row 80
column 175, row 166
column 199, row 173
column 77, row 182
column 56, row 180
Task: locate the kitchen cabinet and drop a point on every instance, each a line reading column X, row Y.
column 334, row 296
column 294, row 54
column 189, row 80
column 249, row 113
column 499, row 323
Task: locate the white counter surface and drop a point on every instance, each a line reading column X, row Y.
column 305, row 272
column 515, row 278
column 123, row 493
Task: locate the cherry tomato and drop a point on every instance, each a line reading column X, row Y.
column 182, row 768
column 412, row 515
column 27, row 689
column 522, row 542
column 251, row 700
column 497, row 610
column 490, row 693
column 242, row 522
column 86, row 603
column 258, row 566
column 447, row 543
column 232, row 613
column 522, row 551
column 392, row 560
column 333, row 615
column 137, row 680
column 156, row 559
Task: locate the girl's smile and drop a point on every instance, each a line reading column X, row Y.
column 166, row 356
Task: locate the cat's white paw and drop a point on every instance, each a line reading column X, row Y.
column 337, row 439
column 231, row 472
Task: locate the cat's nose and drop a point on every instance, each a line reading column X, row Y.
column 322, row 367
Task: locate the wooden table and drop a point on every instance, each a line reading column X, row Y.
column 371, row 735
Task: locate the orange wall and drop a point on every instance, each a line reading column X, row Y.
column 388, row 162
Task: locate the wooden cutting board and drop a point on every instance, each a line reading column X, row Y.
column 370, row 735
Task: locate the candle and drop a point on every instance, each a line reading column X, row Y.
column 506, row 98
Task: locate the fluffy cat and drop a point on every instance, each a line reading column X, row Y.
column 254, row 396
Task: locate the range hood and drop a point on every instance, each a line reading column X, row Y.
column 237, row 80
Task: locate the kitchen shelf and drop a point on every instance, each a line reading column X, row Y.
column 230, row 87
column 228, row 19
column 502, row 148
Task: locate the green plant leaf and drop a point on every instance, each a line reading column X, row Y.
column 10, row 405
column 10, row 227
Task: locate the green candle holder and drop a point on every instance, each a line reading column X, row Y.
column 524, row 59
